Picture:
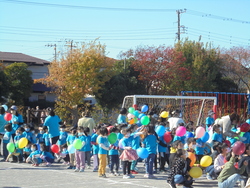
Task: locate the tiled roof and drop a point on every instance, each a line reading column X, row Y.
column 19, row 57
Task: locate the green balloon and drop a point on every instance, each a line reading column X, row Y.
column 11, row 147
column 112, row 138
column 131, row 110
column 17, row 144
column 77, row 144
column 145, row 120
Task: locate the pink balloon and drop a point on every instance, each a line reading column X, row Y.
column 239, row 148
column 120, row 144
column 180, row 131
column 199, row 132
column 130, row 116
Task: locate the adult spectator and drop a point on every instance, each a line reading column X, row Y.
column 175, row 120
column 16, row 120
column 226, row 122
column 86, row 121
column 53, row 123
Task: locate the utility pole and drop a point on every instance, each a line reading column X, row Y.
column 70, row 44
column 180, row 11
column 52, row 45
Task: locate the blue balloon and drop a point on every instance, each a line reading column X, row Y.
column 71, row 149
column 136, row 113
column 205, row 138
column 141, row 115
column 248, row 121
column 144, row 108
column 160, row 130
column 189, row 135
column 142, row 153
column 139, row 123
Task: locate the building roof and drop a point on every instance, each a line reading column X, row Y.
column 11, row 57
column 39, row 87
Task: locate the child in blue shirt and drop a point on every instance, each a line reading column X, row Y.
column 217, row 136
column 46, row 156
column 114, row 154
column 122, row 116
column 199, row 150
column 6, row 139
column 39, row 136
column 87, row 146
column 27, row 150
column 103, row 151
column 46, row 138
column 63, row 136
column 19, row 135
column 150, row 143
column 70, row 139
column 135, row 146
column 34, row 157
column 79, row 153
column 95, row 148
column 27, row 133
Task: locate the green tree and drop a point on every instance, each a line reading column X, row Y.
column 3, row 83
column 204, row 63
column 19, row 82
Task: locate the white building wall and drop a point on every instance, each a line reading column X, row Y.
column 38, row 71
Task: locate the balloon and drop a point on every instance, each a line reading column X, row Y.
column 164, row 114
column 112, row 138
column 199, row 132
column 142, row 136
column 244, row 127
column 248, row 120
column 160, row 130
column 22, row 143
column 195, row 172
column 206, row 161
column 205, row 137
column 77, row 144
column 136, row 113
column 141, row 115
column 55, row 148
column 131, row 110
column 71, row 149
column 132, row 121
column 10, row 147
column 145, row 120
column 142, row 153
column 16, row 144
column 130, row 116
column 167, row 137
column 189, row 135
column 135, row 106
column 139, row 123
column 180, row 131
column 228, row 143
column 120, row 144
column 8, row 116
column 192, row 157
column 144, row 108
column 5, row 107
column 239, row 148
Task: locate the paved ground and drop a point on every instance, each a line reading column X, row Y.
column 57, row 176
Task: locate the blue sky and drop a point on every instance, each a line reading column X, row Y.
column 27, row 26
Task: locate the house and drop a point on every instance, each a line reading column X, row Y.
column 39, row 68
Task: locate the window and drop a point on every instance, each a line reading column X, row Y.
column 41, row 97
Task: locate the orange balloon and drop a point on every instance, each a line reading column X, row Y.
column 192, row 157
column 142, row 136
column 132, row 121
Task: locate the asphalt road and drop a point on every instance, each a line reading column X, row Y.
column 57, row 176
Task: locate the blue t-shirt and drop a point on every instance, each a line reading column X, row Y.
column 15, row 118
column 127, row 142
column 181, row 138
column 70, row 139
column 28, row 135
column 114, row 151
column 62, row 138
column 120, row 136
column 199, row 150
column 83, row 139
column 161, row 148
column 47, row 154
column 209, row 121
column 52, row 122
column 18, row 137
column 27, row 149
column 135, row 142
column 3, row 122
column 46, row 139
column 104, row 141
column 87, row 146
column 95, row 147
column 121, row 119
column 37, row 155
column 7, row 137
column 247, row 136
column 150, row 143
column 217, row 137
column 40, row 138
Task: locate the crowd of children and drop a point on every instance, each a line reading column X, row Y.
column 122, row 153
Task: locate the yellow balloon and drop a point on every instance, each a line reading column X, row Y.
column 206, row 161
column 164, row 114
column 195, row 172
column 22, row 143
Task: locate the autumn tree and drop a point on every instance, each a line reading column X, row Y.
column 79, row 72
column 158, row 68
column 236, row 64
